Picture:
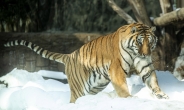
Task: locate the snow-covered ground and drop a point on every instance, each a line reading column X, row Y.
column 29, row 91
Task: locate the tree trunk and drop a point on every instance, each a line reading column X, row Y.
column 165, row 6
column 140, row 11
column 179, row 3
column 170, row 18
column 121, row 12
column 169, row 47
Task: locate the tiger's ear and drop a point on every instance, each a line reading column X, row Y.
column 133, row 30
column 153, row 29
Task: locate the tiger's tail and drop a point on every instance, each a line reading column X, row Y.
column 44, row 53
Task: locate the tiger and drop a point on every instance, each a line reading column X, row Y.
column 109, row 58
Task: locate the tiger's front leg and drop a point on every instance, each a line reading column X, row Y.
column 146, row 71
column 150, row 80
column 118, row 79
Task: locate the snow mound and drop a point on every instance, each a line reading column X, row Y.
column 29, row 91
column 19, row 78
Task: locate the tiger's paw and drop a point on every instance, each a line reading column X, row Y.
column 161, row 95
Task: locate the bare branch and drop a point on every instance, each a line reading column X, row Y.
column 169, row 18
column 140, row 11
column 165, row 6
column 120, row 12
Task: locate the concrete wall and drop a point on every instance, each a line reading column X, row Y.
column 61, row 42
column 23, row 58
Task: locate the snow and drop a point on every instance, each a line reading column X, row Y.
column 30, row 91
column 179, row 64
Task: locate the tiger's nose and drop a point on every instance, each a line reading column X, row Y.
column 143, row 55
column 145, row 48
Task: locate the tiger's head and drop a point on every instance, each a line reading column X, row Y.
column 140, row 39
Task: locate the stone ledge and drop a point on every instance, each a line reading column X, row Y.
column 23, row 58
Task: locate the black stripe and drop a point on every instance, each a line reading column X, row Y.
column 100, row 87
column 125, row 60
column 38, row 49
column 133, row 43
column 103, row 62
column 105, row 75
column 96, row 55
column 11, row 43
column 98, row 71
column 64, row 58
column 90, row 80
column 126, row 51
column 93, row 92
column 104, row 85
column 24, row 42
column 99, row 76
column 102, row 40
column 91, row 52
column 144, row 77
column 76, row 86
column 70, row 70
column 77, row 79
column 88, row 49
column 27, row 43
column 94, row 75
column 32, row 46
column 79, row 56
column 91, row 45
column 73, row 81
column 88, row 87
column 104, row 70
column 83, row 52
column 41, row 52
column 145, row 66
column 107, row 44
column 111, row 43
column 83, row 82
column 50, row 54
column 14, row 42
column 82, row 85
column 130, row 40
column 46, row 53
column 56, row 56
column 123, row 68
column 130, row 48
column 19, row 41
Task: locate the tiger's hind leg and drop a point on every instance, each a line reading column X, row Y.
column 76, row 80
column 118, row 79
column 76, row 90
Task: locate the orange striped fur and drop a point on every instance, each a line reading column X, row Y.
column 107, row 59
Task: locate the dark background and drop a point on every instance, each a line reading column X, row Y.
column 66, row 15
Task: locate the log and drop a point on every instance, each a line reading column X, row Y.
column 170, row 18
